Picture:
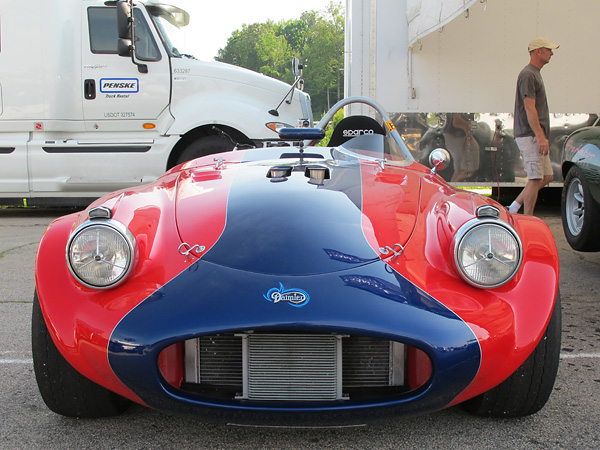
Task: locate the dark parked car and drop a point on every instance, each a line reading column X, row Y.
column 581, row 190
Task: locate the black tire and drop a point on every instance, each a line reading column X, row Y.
column 527, row 390
column 580, row 213
column 208, row 145
column 64, row 390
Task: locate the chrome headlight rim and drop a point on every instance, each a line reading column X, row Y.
column 466, row 230
column 123, row 232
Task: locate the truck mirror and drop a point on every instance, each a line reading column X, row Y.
column 124, row 20
column 124, row 47
column 126, row 30
column 297, row 67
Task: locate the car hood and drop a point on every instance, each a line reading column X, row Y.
column 244, row 220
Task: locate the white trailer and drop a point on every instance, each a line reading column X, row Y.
column 448, row 56
column 87, row 108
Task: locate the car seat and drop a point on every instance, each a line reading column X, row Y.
column 353, row 126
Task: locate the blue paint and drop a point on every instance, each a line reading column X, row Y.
column 209, row 299
column 308, row 239
column 293, row 228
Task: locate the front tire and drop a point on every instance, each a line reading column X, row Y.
column 580, row 214
column 208, row 145
column 527, row 390
column 64, row 390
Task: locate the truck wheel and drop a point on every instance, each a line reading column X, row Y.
column 526, row 391
column 64, row 390
column 208, row 145
column 580, row 214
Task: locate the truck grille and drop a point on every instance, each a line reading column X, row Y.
column 292, row 366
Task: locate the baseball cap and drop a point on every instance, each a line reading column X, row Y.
column 541, row 42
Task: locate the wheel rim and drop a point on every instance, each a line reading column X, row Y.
column 574, row 206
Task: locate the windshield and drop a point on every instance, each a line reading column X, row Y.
column 169, row 20
column 376, row 141
column 371, row 147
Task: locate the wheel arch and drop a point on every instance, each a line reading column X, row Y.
column 566, row 166
column 199, row 133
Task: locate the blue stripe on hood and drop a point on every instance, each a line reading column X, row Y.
column 293, row 227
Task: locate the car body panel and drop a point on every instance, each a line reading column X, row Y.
column 223, row 247
column 582, row 149
column 353, row 299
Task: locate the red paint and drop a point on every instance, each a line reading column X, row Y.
column 405, row 206
column 80, row 319
column 508, row 321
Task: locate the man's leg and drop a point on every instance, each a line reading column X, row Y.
column 538, row 169
column 530, row 194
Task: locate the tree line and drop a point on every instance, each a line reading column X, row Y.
column 316, row 38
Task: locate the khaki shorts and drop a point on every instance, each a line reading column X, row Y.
column 536, row 164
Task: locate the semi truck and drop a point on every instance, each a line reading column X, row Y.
column 426, row 61
column 96, row 96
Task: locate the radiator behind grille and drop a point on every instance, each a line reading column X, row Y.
column 214, row 360
column 293, row 367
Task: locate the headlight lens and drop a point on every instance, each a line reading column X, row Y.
column 487, row 253
column 100, row 255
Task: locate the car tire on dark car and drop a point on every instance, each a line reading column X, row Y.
column 580, row 213
column 527, row 390
column 64, row 390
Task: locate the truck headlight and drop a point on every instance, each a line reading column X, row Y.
column 100, row 254
column 487, row 253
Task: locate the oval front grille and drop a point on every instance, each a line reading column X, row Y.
column 292, row 366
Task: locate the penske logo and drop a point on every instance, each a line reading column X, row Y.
column 119, row 85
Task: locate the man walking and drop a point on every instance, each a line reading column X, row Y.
column 532, row 124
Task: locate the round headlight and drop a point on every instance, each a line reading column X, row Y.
column 100, row 254
column 487, row 253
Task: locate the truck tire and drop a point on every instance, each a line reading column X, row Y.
column 208, row 145
column 64, row 390
column 580, row 214
column 527, row 390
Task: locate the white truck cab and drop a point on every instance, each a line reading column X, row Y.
column 90, row 104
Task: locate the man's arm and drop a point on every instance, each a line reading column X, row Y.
column 534, row 123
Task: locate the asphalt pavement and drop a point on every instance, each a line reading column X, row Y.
column 570, row 420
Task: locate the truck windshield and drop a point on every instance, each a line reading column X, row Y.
column 169, row 20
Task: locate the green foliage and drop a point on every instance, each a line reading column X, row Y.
column 329, row 130
column 258, row 47
column 317, row 39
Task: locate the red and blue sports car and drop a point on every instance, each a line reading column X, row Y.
column 296, row 282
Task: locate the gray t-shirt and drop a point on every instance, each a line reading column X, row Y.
column 531, row 85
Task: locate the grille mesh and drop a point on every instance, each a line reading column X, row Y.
column 366, row 362
column 220, row 360
column 295, row 367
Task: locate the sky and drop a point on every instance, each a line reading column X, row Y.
column 212, row 22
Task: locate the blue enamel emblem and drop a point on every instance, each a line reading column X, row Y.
column 295, row 297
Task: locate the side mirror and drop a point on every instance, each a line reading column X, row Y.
column 124, row 20
column 297, row 70
column 124, row 47
column 125, row 29
column 439, row 159
column 297, row 67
